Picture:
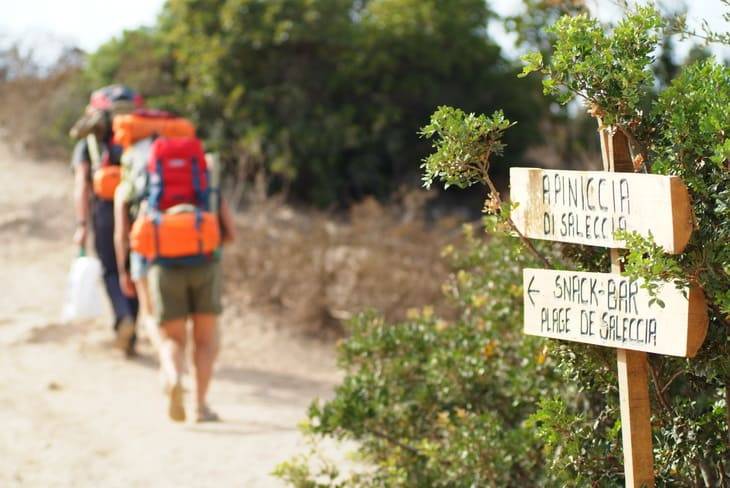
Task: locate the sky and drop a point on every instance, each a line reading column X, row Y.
column 608, row 11
column 85, row 23
column 89, row 23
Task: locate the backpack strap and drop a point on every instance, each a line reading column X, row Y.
column 92, row 146
column 213, row 178
column 157, row 221
column 198, row 225
column 156, row 186
column 201, row 195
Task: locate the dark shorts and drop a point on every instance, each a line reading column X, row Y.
column 180, row 291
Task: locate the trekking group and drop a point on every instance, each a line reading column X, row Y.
column 151, row 196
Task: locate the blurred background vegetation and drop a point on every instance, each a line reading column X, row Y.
column 317, row 106
column 320, row 100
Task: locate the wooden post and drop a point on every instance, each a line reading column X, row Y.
column 633, row 370
column 589, row 205
column 635, row 418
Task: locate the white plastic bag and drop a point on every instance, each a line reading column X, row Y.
column 83, row 296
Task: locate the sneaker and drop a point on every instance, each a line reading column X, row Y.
column 176, row 407
column 125, row 335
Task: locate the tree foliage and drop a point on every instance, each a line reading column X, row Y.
column 326, row 95
column 610, row 71
column 464, row 144
column 136, row 58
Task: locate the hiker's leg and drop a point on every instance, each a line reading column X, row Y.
column 145, row 304
column 124, row 307
column 168, row 291
column 138, row 270
column 206, row 305
column 172, row 364
column 172, row 350
column 205, row 351
column 146, row 314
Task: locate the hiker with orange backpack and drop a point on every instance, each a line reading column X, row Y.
column 179, row 231
column 97, row 173
column 136, row 132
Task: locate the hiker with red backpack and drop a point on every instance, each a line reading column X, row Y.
column 136, row 132
column 179, row 231
column 96, row 161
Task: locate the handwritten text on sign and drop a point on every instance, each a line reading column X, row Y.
column 612, row 310
column 588, row 207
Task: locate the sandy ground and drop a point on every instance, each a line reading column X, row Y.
column 76, row 413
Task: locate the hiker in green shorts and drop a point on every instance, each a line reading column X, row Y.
column 190, row 292
column 180, row 293
column 179, row 231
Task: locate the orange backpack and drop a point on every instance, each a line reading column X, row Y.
column 106, row 172
column 174, row 235
column 142, row 123
column 106, row 179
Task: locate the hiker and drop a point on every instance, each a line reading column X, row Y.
column 136, row 132
column 179, row 230
column 96, row 166
column 132, row 266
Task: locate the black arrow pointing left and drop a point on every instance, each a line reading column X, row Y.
column 530, row 290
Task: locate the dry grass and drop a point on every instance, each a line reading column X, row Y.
column 40, row 103
column 306, row 270
column 312, row 270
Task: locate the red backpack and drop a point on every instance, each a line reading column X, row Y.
column 178, row 173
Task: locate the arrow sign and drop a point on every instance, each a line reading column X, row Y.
column 530, row 291
column 612, row 310
column 587, row 207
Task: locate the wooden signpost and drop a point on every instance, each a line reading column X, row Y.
column 611, row 310
column 587, row 207
column 608, row 309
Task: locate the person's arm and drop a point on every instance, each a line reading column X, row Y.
column 82, row 191
column 228, row 227
column 121, row 241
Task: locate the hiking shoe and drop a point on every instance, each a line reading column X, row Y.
column 205, row 414
column 125, row 335
column 176, row 407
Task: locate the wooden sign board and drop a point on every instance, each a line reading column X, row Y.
column 612, row 310
column 587, row 207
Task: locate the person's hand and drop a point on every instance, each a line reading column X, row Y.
column 80, row 236
column 227, row 223
column 126, row 284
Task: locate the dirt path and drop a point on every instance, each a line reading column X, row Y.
column 75, row 413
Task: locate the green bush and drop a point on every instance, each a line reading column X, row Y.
column 436, row 403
